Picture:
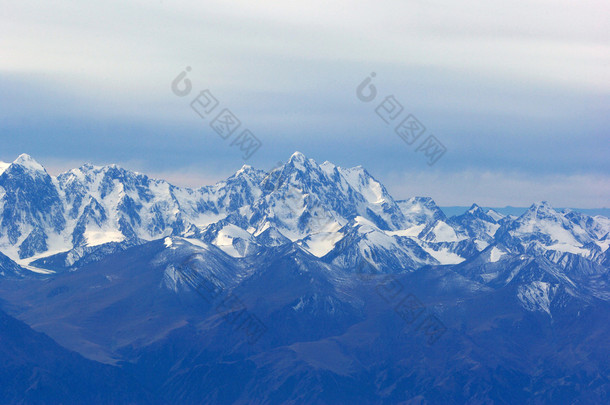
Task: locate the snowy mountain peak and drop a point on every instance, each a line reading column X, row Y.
column 297, row 157
column 245, row 169
column 29, row 163
column 87, row 167
column 542, row 206
column 541, row 210
column 426, row 201
column 249, row 174
column 494, row 214
column 300, row 162
column 422, row 205
column 474, row 208
column 477, row 212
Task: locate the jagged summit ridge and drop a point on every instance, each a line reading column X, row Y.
column 322, row 208
column 27, row 161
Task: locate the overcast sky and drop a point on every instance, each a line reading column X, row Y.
column 518, row 92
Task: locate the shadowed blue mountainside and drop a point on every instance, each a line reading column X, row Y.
column 35, row 369
column 307, row 284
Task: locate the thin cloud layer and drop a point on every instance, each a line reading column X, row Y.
column 518, row 89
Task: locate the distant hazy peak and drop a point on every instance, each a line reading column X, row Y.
column 474, row 208
column 298, row 157
column 29, row 163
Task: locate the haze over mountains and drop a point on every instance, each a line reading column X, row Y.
column 109, row 263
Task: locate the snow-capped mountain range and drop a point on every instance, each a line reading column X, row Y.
column 313, row 205
column 341, row 216
column 110, row 264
